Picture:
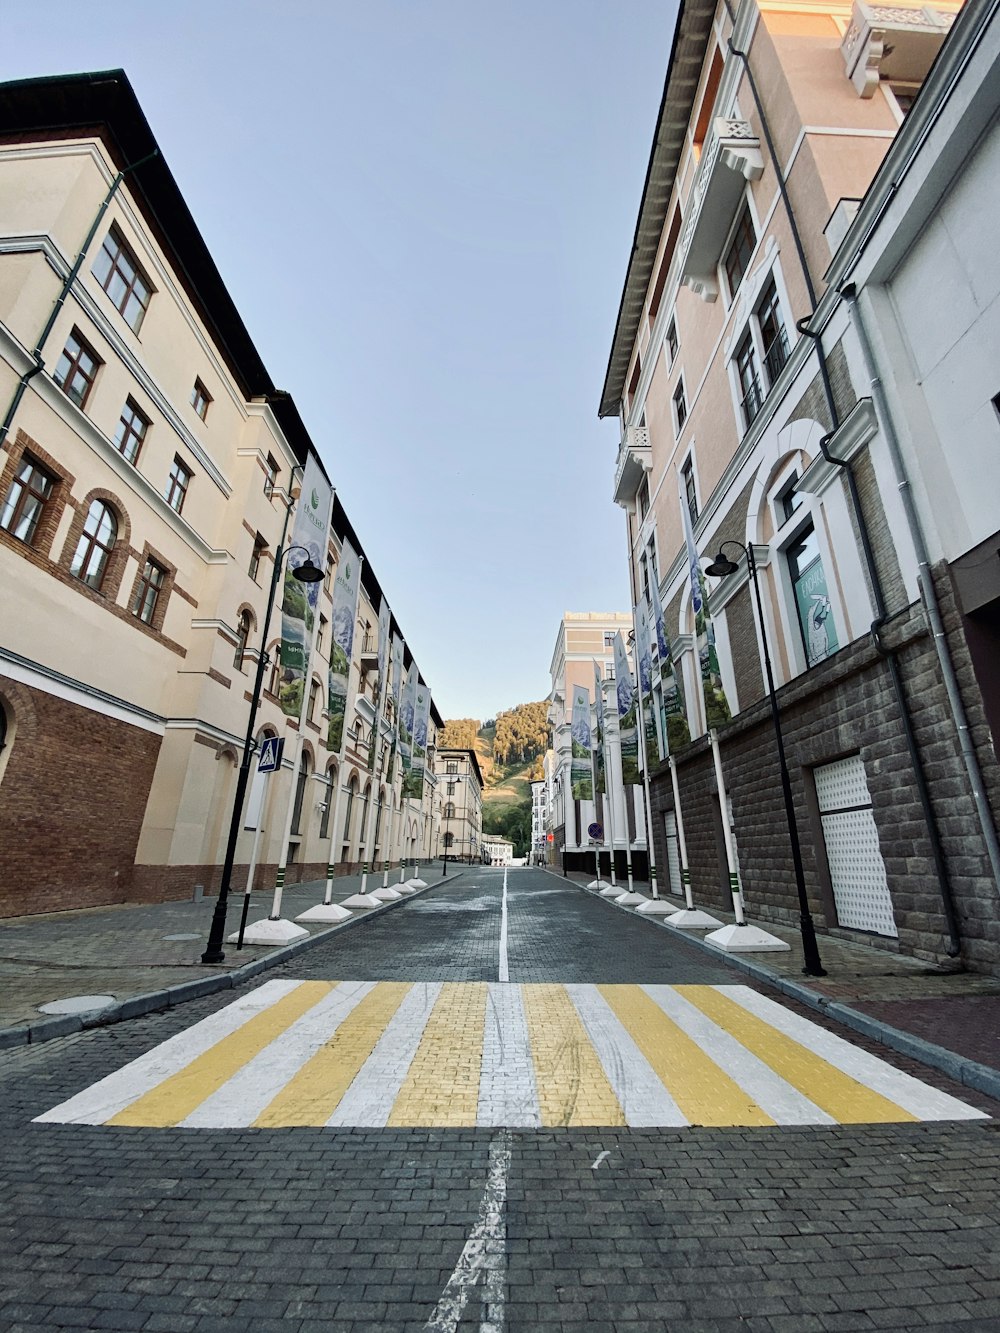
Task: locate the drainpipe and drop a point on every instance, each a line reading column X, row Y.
column 36, row 351
column 925, row 580
column 881, row 614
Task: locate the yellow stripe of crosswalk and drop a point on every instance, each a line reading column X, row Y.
column 442, row 1085
column 704, row 1094
column 572, row 1086
column 847, row 1100
column 311, row 1097
column 174, row 1099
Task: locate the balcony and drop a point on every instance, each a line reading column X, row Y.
column 898, row 45
column 751, row 402
column 775, row 355
column 369, row 653
column 635, row 459
column 730, row 159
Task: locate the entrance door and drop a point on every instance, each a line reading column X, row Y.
column 857, row 871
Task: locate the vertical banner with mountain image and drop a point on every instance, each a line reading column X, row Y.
column 600, row 772
column 716, row 703
column 644, row 662
column 413, row 779
column 628, row 725
column 673, row 712
column 299, row 600
column 395, row 690
column 380, row 688
column 407, row 708
column 345, row 612
column 581, row 765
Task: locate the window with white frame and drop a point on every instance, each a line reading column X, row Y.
column 760, row 355
column 807, row 579
column 680, row 407
column 690, row 493
column 742, row 241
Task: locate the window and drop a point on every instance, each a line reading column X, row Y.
column 200, row 399
column 77, row 368
column 680, row 407
column 29, row 493
column 300, row 794
column 672, row 343
column 177, row 485
column 690, row 494
column 259, row 547
column 321, row 636
column 242, row 635
column 737, row 257
column 644, row 498
column 772, row 332
column 812, row 601
column 147, row 594
column 904, row 95
column 123, row 280
column 132, row 427
column 324, row 823
column 609, row 641
column 97, row 541
column 787, row 500
column 449, row 810
column 313, row 700
column 751, row 398
column 274, row 681
column 271, row 471
column 451, row 766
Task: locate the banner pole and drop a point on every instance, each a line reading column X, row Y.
column 681, row 840
column 331, row 853
column 727, row 833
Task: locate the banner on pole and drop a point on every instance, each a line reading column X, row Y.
column 413, row 778
column 716, row 703
column 675, row 731
column 380, row 685
column 600, row 773
column 581, row 764
column 407, row 707
column 345, row 612
column 628, row 726
column 299, row 600
column 644, row 662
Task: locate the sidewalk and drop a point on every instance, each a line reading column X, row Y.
column 146, row 957
column 946, row 1018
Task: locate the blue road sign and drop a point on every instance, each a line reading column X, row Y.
column 270, row 754
column 595, row 830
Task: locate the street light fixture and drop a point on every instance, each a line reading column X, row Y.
column 720, row 567
column 307, row 572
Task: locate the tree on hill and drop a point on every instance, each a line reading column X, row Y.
column 522, row 733
column 459, row 734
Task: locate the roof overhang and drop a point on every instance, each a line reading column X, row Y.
column 687, row 56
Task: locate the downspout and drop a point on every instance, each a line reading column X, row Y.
column 925, row 581
column 36, row 351
column 881, row 614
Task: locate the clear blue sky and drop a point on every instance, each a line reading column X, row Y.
column 424, row 212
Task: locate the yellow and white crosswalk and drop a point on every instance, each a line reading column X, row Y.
column 436, row 1054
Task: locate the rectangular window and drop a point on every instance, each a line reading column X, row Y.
column 672, row 343
column 751, row 398
column 200, row 399
column 787, row 500
column 29, row 493
column 132, row 427
column 177, row 485
column 451, row 766
column 644, row 498
column 124, row 281
column 737, row 258
column 680, row 407
column 690, row 494
column 773, row 338
column 147, row 594
column 271, row 476
column 812, row 601
column 77, row 368
column 259, row 547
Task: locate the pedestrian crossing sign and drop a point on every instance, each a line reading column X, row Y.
column 270, row 754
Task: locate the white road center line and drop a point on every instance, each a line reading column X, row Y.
column 484, row 1254
column 508, row 1092
column 504, row 970
column 601, row 1157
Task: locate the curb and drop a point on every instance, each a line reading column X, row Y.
column 47, row 1029
column 969, row 1073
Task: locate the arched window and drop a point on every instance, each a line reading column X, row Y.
column 449, row 839
column 449, row 810
column 300, row 793
column 274, row 652
column 97, row 541
column 242, row 635
column 351, row 793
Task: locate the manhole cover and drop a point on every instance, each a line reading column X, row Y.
column 182, row 937
column 77, row 1004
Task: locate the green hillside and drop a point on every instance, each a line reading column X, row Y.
column 509, row 749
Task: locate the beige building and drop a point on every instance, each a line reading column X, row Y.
column 743, row 398
column 147, row 465
column 459, row 792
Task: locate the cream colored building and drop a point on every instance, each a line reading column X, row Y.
column 147, row 462
column 459, row 790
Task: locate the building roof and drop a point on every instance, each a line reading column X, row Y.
column 691, row 37
column 474, row 758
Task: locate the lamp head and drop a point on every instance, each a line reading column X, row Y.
column 308, row 572
column 721, row 566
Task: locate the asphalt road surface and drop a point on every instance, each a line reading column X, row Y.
column 504, row 1105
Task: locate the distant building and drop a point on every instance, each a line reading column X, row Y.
column 497, row 851
column 539, row 824
column 459, row 788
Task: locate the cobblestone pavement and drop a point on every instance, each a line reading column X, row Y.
column 774, row 1230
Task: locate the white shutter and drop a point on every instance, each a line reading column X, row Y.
column 857, row 871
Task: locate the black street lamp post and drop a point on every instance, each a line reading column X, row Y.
column 720, row 567
column 307, row 572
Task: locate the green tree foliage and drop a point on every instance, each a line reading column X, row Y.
column 522, row 733
column 510, row 821
column 459, row 734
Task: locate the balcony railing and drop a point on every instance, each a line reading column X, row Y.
column 775, row 355
column 633, row 462
column 730, row 158
column 751, row 403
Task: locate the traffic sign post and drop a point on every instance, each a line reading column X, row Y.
column 271, row 750
column 596, row 834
